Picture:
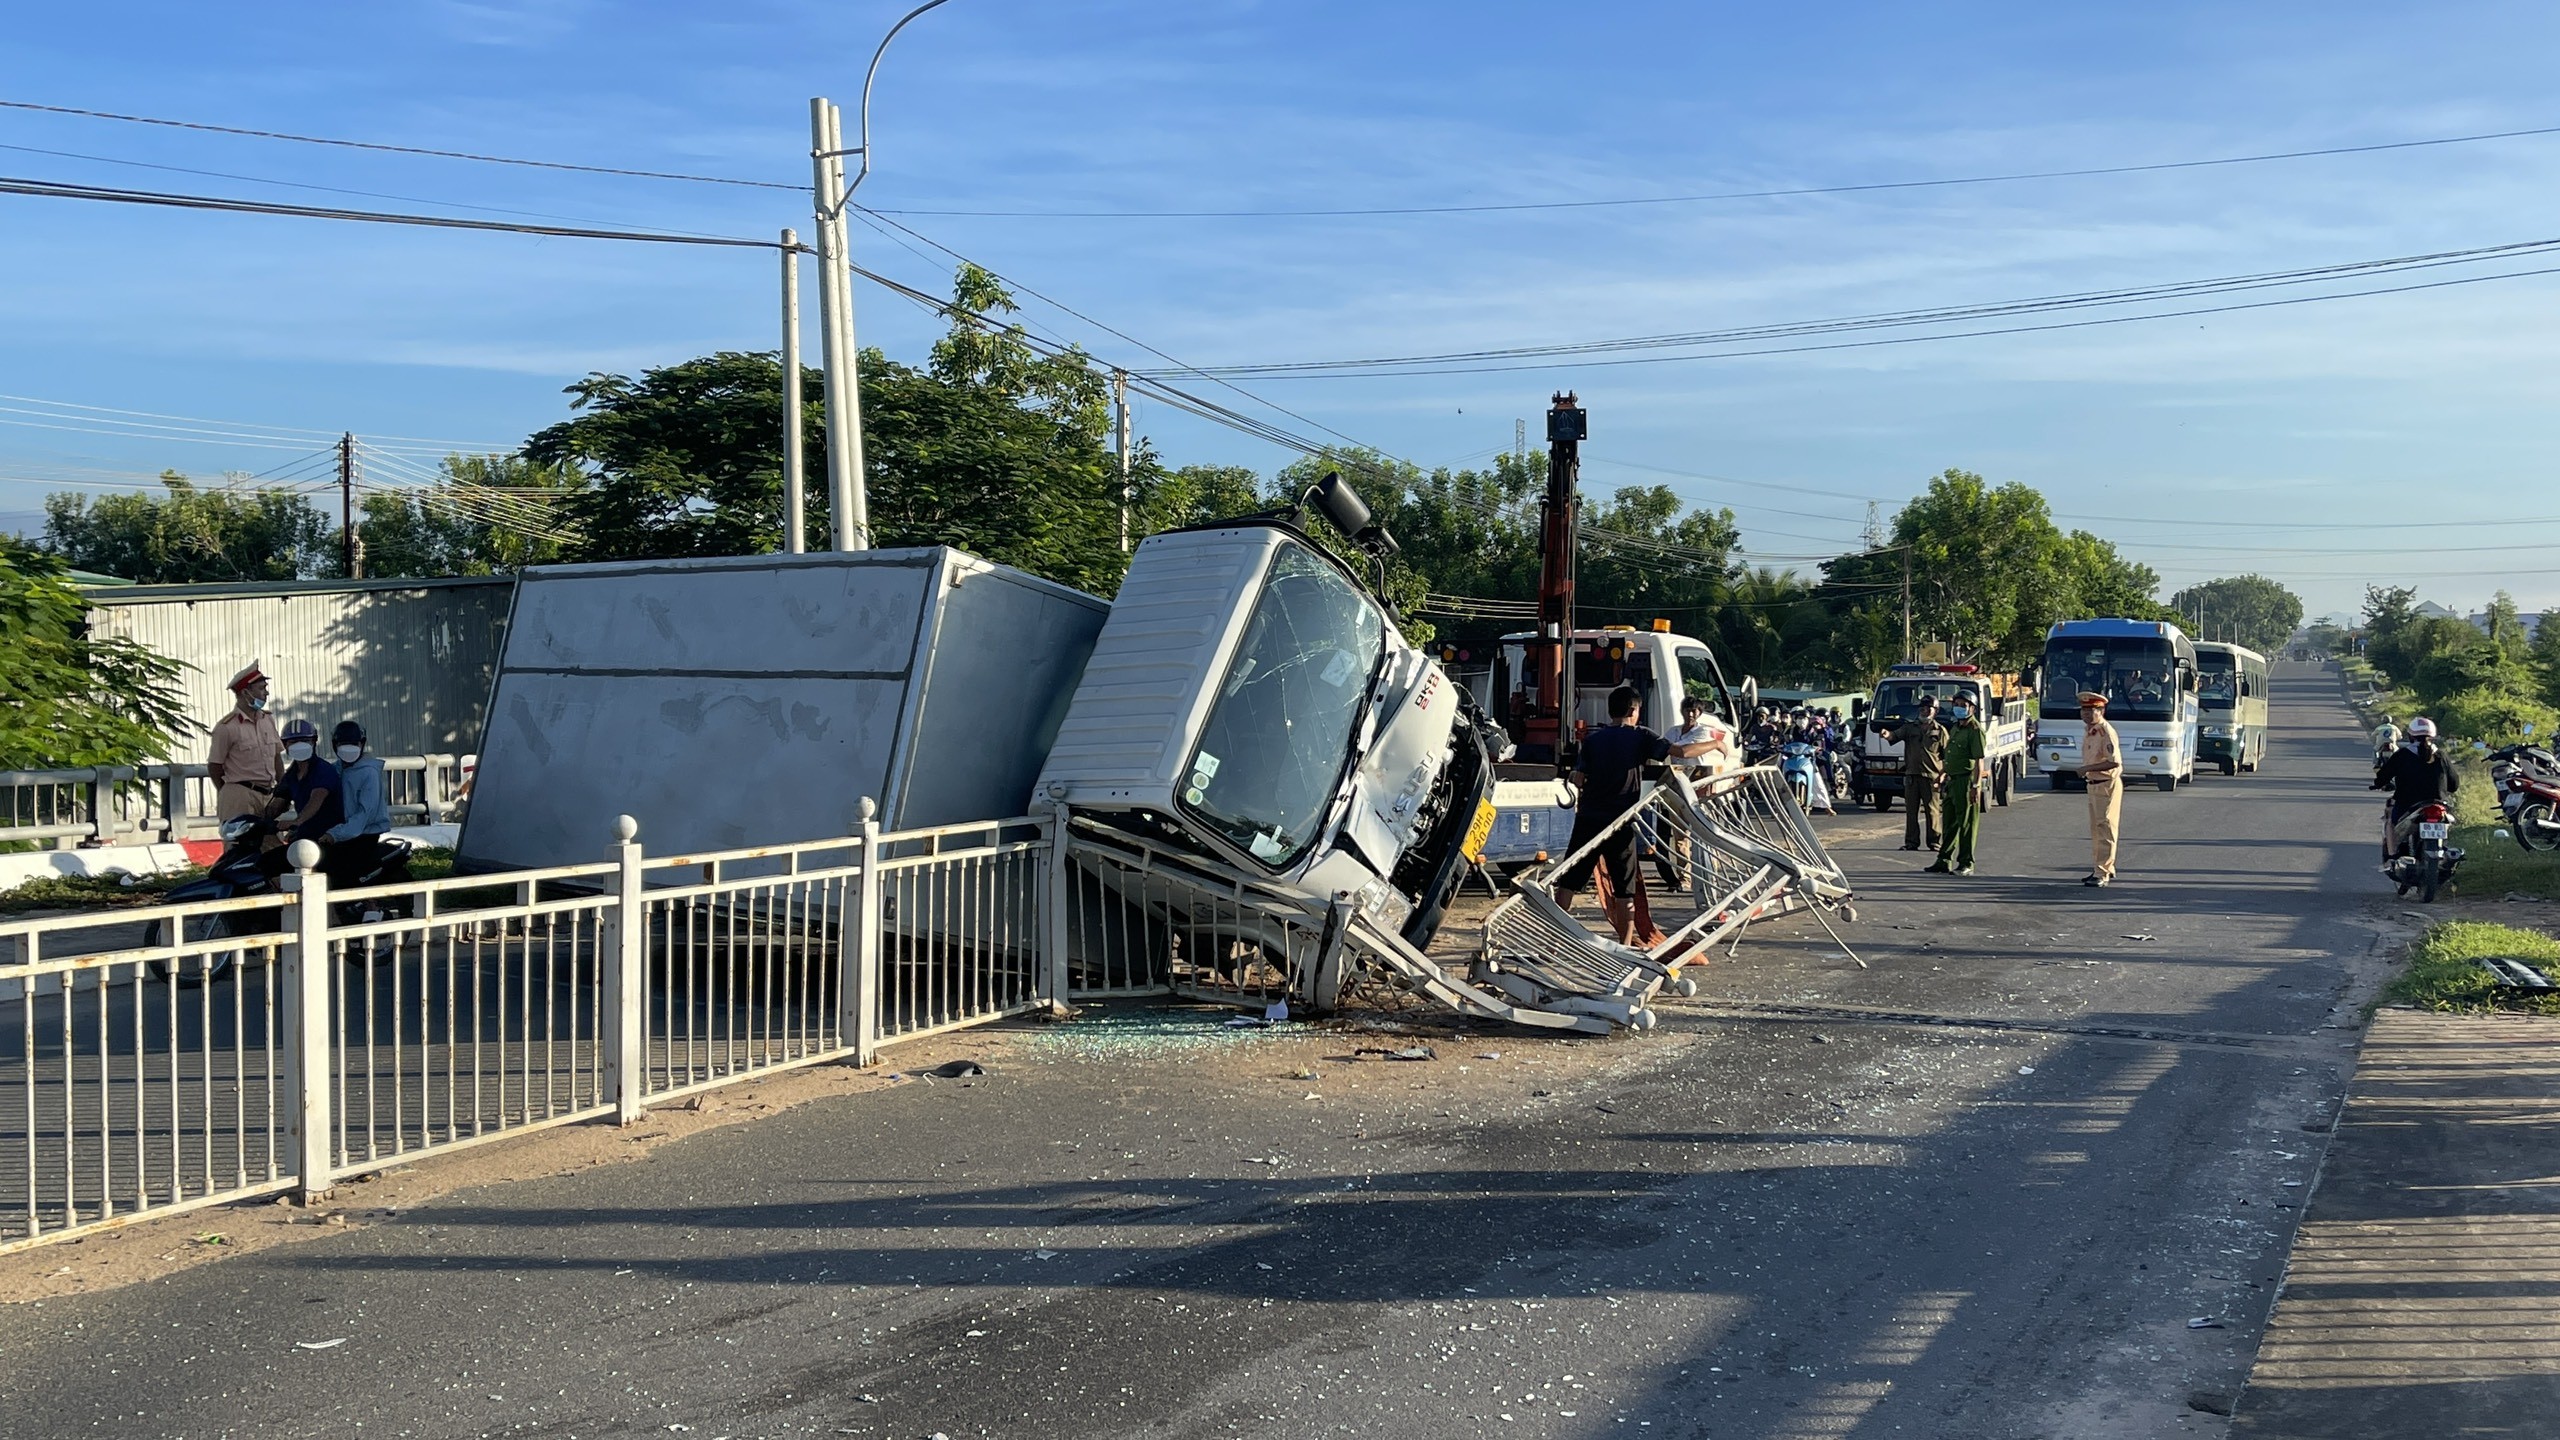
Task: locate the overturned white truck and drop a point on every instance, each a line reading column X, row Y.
column 1270, row 793
column 1249, row 698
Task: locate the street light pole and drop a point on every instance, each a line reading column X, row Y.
column 852, row 504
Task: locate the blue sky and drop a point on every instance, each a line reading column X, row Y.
column 2211, row 443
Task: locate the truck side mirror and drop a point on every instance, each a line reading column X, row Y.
column 1858, row 709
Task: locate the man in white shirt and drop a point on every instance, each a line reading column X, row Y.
column 1701, row 746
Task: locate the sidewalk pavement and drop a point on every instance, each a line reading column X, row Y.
column 2423, row 1298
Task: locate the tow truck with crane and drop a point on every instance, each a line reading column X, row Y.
column 1551, row 684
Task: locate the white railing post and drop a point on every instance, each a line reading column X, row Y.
column 436, row 796
column 626, row 943
column 858, row 987
column 102, row 796
column 1053, row 913
column 173, row 802
column 308, row 1032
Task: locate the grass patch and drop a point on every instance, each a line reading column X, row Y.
column 430, row 864
column 2442, row 977
column 88, row 892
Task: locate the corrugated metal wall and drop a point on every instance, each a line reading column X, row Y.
column 410, row 661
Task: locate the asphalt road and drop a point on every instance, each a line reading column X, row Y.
column 1977, row 1190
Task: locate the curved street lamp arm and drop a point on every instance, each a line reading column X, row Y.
column 863, row 149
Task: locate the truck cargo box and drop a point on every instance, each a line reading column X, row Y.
column 756, row 700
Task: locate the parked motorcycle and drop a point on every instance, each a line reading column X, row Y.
column 2427, row 865
column 2528, row 781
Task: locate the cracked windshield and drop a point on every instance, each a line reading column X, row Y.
column 1281, row 728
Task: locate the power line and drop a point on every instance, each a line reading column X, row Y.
column 2084, row 172
column 1805, row 190
column 1481, row 360
column 59, row 190
column 398, row 149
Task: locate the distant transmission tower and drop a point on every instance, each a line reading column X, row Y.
column 1875, row 527
column 1520, row 444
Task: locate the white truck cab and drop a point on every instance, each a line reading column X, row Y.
column 1998, row 700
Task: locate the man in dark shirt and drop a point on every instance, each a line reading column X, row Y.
column 2416, row 774
column 312, row 788
column 1608, row 778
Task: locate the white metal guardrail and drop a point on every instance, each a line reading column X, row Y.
column 159, row 1059
column 125, row 804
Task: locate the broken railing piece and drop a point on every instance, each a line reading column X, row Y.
column 1750, row 853
column 1143, row 915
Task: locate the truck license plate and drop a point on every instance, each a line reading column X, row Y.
column 2434, row 829
column 1478, row 831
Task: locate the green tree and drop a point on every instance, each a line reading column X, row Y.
column 2249, row 610
column 2504, row 625
column 488, row 515
column 188, row 535
column 993, row 447
column 2495, row 716
column 686, row 460
column 2387, row 608
column 69, row 699
column 2542, row 655
column 2419, row 642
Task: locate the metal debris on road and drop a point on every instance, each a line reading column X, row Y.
column 2205, row 1322
column 319, row 1344
column 1410, row 1052
column 955, row 1069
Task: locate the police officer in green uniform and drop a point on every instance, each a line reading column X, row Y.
column 1960, row 812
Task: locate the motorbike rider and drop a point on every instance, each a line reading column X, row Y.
column 2386, row 738
column 313, row 793
column 2417, row 775
column 355, row 845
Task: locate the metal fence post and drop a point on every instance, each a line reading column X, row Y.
column 102, row 795
column 858, row 987
column 308, row 1030
column 626, row 943
column 1053, row 913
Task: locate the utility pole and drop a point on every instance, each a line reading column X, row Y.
column 845, row 499
column 1906, row 604
column 1545, row 732
column 1120, row 433
column 835, row 295
column 795, row 480
column 350, row 544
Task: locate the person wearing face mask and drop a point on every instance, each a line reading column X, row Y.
column 1960, row 804
column 243, row 757
column 2417, row 774
column 356, row 843
column 312, row 790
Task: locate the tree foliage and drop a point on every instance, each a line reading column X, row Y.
column 2249, row 610
column 188, row 535
column 489, row 515
column 69, row 699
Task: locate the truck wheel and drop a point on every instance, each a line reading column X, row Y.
column 1883, row 800
column 2230, row 766
column 2053, row 780
column 2166, row 782
column 2000, row 784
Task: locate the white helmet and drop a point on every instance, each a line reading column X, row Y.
column 2422, row 728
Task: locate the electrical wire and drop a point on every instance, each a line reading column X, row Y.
column 60, row 190
column 1480, row 361
column 398, row 149
column 2084, row 172
column 1349, row 212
